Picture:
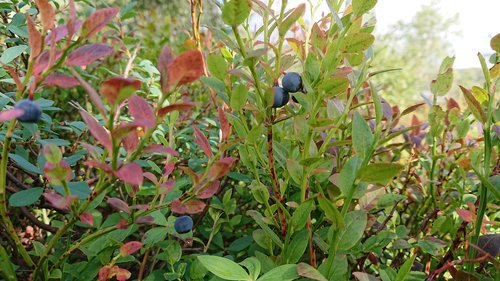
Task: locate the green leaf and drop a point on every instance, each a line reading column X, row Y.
column 357, row 42
column 295, row 170
column 348, row 175
column 25, row 197
column 443, row 83
column 285, row 272
column 299, row 217
column 253, row 266
column 474, row 105
column 173, row 251
column 331, row 212
column 295, row 250
column 362, row 137
column 235, row 12
column 260, row 221
column 239, row 97
column 495, row 43
column 355, row 227
column 360, row 7
column 380, row 173
column 11, row 53
column 217, row 66
column 291, row 19
column 405, row 269
column 224, row 268
column 23, row 163
column 335, row 86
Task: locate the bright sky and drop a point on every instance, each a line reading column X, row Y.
column 479, row 21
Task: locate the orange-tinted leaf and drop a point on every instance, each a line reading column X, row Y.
column 186, row 68
column 105, row 273
column 34, row 38
column 158, row 148
column 474, row 105
column 87, row 54
column 97, row 130
column 131, row 173
column 221, row 167
column 142, row 111
column 130, row 248
column 202, row 141
column 60, row 80
column 97, row 21
column 46, row 13
column 164, row 60
column 87, row 218
column 118, row 204
column 176, row 106
column 466, row 215
column 10, row 114
column 224, row 124
column 112, row 87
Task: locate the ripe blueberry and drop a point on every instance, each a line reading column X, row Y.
column 183, row 224
column 32, row 111
column 292, row 82
column 281, row 97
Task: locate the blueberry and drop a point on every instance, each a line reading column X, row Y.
column 292, row 82
column 183, row 224
column 32, row 111
column 281, row 97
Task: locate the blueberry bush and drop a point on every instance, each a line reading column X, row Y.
column 258, row 149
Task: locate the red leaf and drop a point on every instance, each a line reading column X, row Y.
column 122, row 274
column 59, row 201
column 122, row 224
column 142, row 111
column 164, row 60
column 87, row 54
column 61, row 31
column 87, row 218
column 208, row 191
column 43, row 60
column 105, row 273
column 186, row 68
column 466, row 215
column 130, row 248
column 98, row 164
column 131, row 173
column 34, row 38
column 119, row 204
column 221, row 167
column 61, row 80
column 151, row 177
column 97, row 130
column 10, row 114
column 73, row 23
column 46, row 13
column 112, row 87
column 168, row 169
column 92, row 93
column 224, row 124
column 131, row 141
column 13, row 74
column 145, row 220
column 97, row 21
column 190, row 207
column 158, row 148
column 176, row 106
column 202, row 141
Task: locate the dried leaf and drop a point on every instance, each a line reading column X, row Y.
column 117, row 89
column 186, row 68
column 164, row 60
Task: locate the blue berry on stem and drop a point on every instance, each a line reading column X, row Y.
column 183, row 224
column 292, row 82
column 281, row 97
column 32, row 111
